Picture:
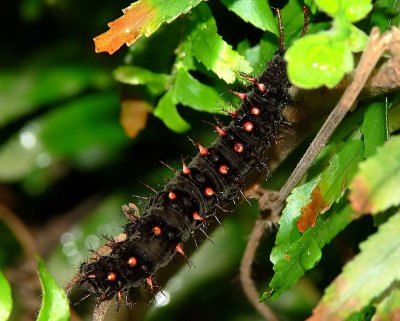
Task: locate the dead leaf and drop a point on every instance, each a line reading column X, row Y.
column 394, row 316
column 359, row 196
column 134, row 114
column 126, row 29
column 310, row 212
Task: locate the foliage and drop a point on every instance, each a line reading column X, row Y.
column 5, row 298
column 366, row 277
column 55, row 305
column 295, row 253
column 328, row 55
column 63, row 150
column 375, row 187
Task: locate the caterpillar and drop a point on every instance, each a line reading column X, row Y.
column 215, row 177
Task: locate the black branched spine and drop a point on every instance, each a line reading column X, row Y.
column 214, row 177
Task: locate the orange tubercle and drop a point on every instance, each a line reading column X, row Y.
column 132, row 261
column 238, row 148
column 261, row 87
column 242, row 96
column 220, row 131
column 156, row 230
column 248, row 126
column 185, row 169
column 149, row 281
column 197, row 217
column 208, row 191
column 203, row 150
column 223, row 169
column 233, row 113
column 179, row 250
column 255, row 111
column 111, row 277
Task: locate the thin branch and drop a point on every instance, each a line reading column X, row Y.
column 21, row 233
column 245, row 271
column 100, row 310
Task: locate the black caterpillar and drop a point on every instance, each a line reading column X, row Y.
column 216, row 176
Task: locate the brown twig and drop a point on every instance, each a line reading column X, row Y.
column 21, row 233
column 100, row 310
column 245, row 271
column 23, row 277
column 264, row 198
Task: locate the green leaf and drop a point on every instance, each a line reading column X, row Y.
column 258, row 55
column 131, row 75
column 342, row 167
column 166, row 110
column 311, row 5
column 364, row 315
column 169, row 10
column 18, row 155
column 330, row 7
column 85, row 130
column 357, row 39
column 211, row 50
column 295, row 253
column 375, row 127
column 375, row 187
column 394, row 115
column 351, row 10
column 325, row 59
column 184, row 56
column 349, row 125
column 256, row 12
column 335, row 178
column 30, row 89
column 366, row 277
column 190, row 92
column 386, row 14
column 355, row 10
column 83, row 126
column 299, row 197
column 293, row 20
column 6, row 301
column 55, row 306
column 31, row 11
column 389, row 307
